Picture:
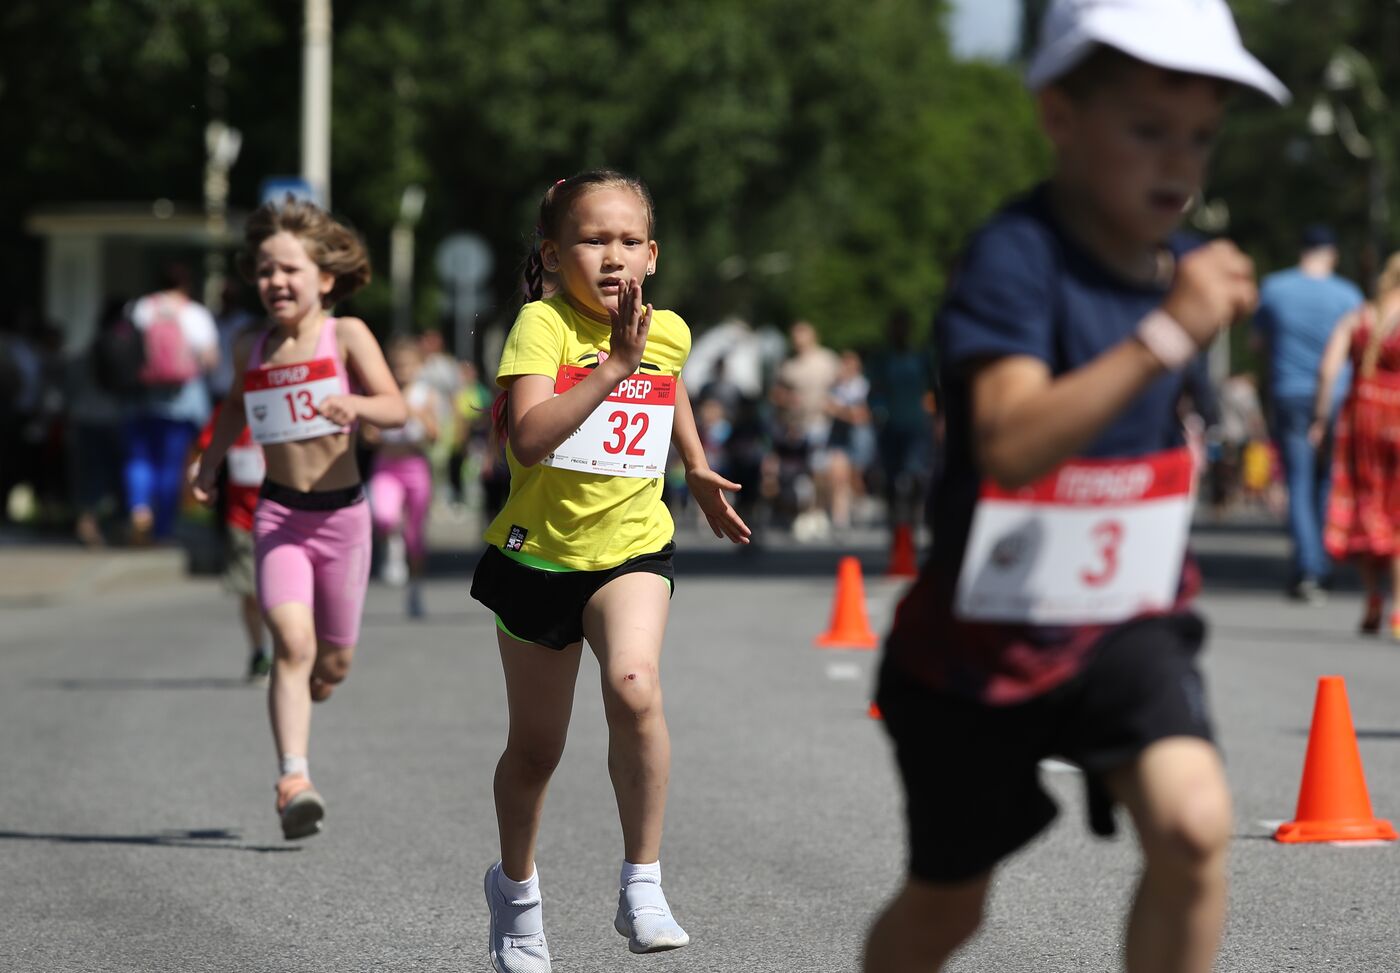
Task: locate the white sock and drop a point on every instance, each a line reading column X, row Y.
column 518, row 891
column 639, row 873
column 294, row 765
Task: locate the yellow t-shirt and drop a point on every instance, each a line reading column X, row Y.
column 585, row 521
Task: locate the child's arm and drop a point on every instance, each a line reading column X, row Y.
column 428, row 416
column 1027, row 421
column 230, row 424
column 227, row 428
column 706, row 486
column 382, row 404
column 541, row 420
column 1333, row 358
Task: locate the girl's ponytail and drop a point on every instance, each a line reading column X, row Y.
column 554, row 206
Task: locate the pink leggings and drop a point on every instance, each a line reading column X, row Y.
column 317, row 558
column 400, row 491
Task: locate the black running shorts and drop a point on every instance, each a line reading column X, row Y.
column 546, row 607
column 971, row 770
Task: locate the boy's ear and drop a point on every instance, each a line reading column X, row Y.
column 1057, row 111
column 549, row 255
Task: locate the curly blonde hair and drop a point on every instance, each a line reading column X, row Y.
column 331, row 245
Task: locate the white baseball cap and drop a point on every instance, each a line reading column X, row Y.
column 1193, row 36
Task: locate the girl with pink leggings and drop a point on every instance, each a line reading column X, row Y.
column 311, row 528
column 401, row 489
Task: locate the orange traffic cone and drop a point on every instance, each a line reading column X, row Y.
column 874, row 711
column 850, row 626
column 1332, row 803
column 903, row 563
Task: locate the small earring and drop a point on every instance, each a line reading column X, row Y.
column 650, row 271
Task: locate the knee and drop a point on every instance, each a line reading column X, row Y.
column 1192, row 837
column 927, row 927
column 634, row 694
column 296, row 646
column 534, row 760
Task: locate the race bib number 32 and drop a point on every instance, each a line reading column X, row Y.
column 628, row 435
column 1095, row 542
column 281, row 401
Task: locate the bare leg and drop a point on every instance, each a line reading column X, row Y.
column 1394, row 566
column 540, row 697
column 624, row 623
column 924, row 924
column 1179, row 802
column 331, row 668
column 289, row 694
column 252, row 621
column 1372, row 571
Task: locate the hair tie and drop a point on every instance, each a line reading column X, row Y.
column 560, row 182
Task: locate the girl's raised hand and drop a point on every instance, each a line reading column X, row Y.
column 631, row 323
column 709, row 488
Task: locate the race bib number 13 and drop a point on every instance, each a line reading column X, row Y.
column 1095, row 542
column 281, row 401
column 628, row 435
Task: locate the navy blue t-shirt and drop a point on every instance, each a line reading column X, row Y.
column 1023, row 288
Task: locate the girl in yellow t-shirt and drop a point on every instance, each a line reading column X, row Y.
column 582, row 549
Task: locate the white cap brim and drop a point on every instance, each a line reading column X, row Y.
column 1214, row 55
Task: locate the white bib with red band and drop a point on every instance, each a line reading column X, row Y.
column 628, row 435
column 281, row 401
column 1095, row 542
column 246, row 466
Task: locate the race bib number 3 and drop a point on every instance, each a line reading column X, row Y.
column 281, row 401
column 1095, row 542
column 628, row 435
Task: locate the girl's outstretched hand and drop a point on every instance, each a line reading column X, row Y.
column 708, row 489
column 631, row 323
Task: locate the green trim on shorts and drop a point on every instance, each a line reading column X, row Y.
column 502, row 626
column 537, row 562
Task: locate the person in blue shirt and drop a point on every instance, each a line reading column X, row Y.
column 1298, row 308
column 1032, row 630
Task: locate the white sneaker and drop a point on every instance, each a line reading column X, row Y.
column 644, row 917
column 395, row 570
column 516, row 943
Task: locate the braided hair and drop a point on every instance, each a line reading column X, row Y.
column 558, row 201
column 555, row 207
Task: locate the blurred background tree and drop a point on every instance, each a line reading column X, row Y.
column 808, row 157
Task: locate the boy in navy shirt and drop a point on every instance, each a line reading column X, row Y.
column 1053, row 615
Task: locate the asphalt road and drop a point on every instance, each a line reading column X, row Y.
column 137, row 830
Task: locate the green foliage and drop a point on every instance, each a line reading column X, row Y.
column 808, row 157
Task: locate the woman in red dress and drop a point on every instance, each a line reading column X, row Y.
column 1363, row 514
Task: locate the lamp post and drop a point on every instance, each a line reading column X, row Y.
column 221, row 146
column 401, row 257
column 316, row 100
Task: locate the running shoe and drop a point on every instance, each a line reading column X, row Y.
column 644, row 917
column 259, row 668
column 516, row 943
column 299, row 806
column 395, row 569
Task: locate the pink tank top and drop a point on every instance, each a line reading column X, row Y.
column 326, row 347
column 297, row 385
